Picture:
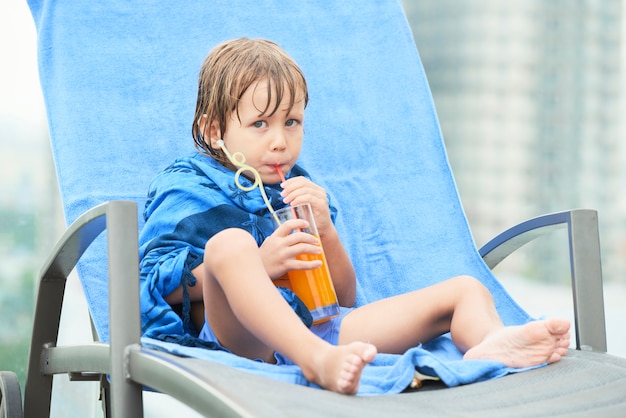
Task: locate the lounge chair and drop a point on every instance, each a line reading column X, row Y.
column 119, row 82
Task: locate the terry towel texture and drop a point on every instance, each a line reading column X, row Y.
column 119, row 81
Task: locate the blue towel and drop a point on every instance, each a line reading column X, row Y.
column 387, row 374
column 189, row 202
column 119, row 81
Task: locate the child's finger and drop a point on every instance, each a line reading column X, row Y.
column 287, row 227
column 305, row 264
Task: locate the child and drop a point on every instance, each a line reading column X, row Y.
column 225, row 250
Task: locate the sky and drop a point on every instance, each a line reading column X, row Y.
column 20, row 94
column 25, row 158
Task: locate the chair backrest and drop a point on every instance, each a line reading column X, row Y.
column 119, row 80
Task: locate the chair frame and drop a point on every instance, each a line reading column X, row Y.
column 585, row 266
column 131, row 367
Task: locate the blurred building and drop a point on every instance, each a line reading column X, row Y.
column 529, row 95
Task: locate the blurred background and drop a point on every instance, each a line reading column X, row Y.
column 530, row 97
column 30, row 220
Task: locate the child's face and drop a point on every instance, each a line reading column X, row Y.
column 266, row 141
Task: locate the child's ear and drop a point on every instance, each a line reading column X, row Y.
column 215, row 134
column 210, row 132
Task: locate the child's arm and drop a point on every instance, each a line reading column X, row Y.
column 301, row 190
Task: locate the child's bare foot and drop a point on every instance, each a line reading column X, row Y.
column 339, row 367
column 525, row 345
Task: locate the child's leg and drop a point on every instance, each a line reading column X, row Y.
column 464, row 307
column 250, row 317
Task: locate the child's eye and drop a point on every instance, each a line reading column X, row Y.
column 291, row 122
column 260, row 124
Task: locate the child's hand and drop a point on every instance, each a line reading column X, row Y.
column 299, row 190
column 280, row 249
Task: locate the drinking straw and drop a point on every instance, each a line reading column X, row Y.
column 282, row 178
column 280, row 173
column 239, row 160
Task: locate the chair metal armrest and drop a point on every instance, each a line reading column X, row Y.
column 119, row 218
column 585, row 266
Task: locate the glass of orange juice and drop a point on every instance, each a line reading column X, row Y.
column 314, row 287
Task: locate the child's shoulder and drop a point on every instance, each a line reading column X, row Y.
column 194, row 163
column 182, row 170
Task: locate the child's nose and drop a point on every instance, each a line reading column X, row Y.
column 279, row 140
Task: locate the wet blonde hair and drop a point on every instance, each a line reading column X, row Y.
column 229, row 70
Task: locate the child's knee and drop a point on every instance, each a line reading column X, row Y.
column 471, row 284
column 229, row 242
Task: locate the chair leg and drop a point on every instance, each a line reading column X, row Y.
column 105, row 397
column 10, row 396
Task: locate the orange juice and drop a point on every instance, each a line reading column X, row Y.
column 315, row 288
